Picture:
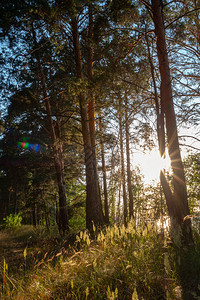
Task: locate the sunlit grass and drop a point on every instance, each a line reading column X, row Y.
column 119, row 263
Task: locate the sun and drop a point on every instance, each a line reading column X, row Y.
column 151, row 164
column 164, row 162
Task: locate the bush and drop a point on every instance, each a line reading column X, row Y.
column 13, row 221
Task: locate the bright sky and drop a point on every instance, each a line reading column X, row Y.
column 150, row 164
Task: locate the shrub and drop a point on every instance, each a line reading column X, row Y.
column 13, row 221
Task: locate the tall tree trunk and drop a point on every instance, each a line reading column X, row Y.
column 130, row 192
column 94, row 211
column 177, row 202
column 91, row 103
column 113, row 190
column 181, row 209
column 122, row 166
column 161, row 138
column 118, row 214
column 104, row 172
column 158, row 106
column 57, row 150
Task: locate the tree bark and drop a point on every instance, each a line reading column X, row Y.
column 181, row 231
column 57, row 150
column 91, row 103
column 177, row 203
column 122, row 166
column 159, row 107
column 113, row 190
column 94, row 211
column 161, row 139
column 129, row 183
column 104, row 172
column 181, row 208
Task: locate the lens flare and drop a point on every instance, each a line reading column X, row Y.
column 26, row 145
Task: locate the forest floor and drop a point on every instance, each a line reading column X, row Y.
column 14, row 243
column 12, row 246
column 105, row 268
column 26, row 247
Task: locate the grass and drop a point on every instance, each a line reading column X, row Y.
column 120, row 263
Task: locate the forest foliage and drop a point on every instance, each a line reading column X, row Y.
column 84, row 86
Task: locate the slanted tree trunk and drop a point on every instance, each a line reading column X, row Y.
column 57, row 149
column 106, row 209
column 158, row 106
column 130, row 192
column 180, row 209
column 122, row 167
column 177, row 202
column 161, row 138
column 94, row 211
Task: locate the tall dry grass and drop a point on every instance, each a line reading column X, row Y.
column 116, row 263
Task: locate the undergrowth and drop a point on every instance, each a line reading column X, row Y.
column 119, row 263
